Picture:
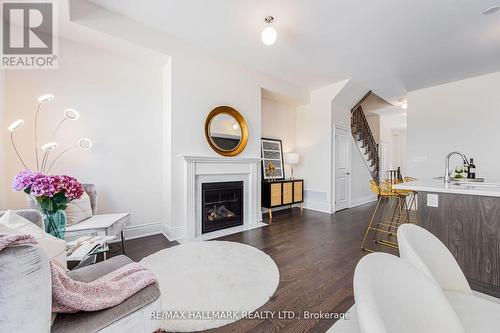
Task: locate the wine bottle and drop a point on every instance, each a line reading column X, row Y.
column 472, row 170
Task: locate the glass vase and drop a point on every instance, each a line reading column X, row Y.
column 55, row 223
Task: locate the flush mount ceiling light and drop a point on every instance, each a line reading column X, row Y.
column 491, row 10
column 269, row 34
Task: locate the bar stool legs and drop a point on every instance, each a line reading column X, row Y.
column 380, row 198
column 384, row 227
column 394, row 207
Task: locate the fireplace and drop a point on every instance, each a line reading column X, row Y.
column 222, row 205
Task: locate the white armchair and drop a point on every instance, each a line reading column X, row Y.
column 392, row 296
column 416, row 292
column 425, row 251
column 108, row 224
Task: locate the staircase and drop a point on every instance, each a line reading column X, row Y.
column 364, row 138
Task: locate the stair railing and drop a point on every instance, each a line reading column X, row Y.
column 360, row 127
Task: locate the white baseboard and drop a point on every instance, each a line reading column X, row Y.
column 141, row 230
column 319, row 206
column 173, row 233
column 363, row 200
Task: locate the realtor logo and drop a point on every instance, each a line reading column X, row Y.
column 28, row 35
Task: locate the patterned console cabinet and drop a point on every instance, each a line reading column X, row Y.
column 282, row 193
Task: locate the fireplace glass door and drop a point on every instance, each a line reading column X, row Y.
column 222, row 205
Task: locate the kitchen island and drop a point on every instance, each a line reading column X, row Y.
column 466, row 218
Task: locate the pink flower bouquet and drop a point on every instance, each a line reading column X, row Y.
column 53, row 193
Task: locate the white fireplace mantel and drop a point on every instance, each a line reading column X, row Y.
column 206, row 169
column 217, row 159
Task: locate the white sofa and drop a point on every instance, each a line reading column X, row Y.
column 53, row 246
column 26, row 295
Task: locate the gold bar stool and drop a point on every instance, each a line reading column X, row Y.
column 401, row 204
column 410, row 203
column 384, row 227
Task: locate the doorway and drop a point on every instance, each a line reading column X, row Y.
column 342, row 170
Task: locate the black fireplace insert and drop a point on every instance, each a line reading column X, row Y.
column 222, row 205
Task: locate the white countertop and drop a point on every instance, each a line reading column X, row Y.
column 489, row 189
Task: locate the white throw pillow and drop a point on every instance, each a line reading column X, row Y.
column 21, row 225
column 6, row 230
column 54, row 247
column 79, row 210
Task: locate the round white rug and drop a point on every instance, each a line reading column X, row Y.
column 211, row 284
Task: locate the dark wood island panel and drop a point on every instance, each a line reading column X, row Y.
column 469, row 225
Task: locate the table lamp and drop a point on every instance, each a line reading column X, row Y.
column 291, row 159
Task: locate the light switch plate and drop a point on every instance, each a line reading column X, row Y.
column 420, row 159
column 432, row 200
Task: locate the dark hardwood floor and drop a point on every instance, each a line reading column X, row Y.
column 316, row 254
column 138, row 248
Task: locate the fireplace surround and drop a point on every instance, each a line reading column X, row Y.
column 203, row 169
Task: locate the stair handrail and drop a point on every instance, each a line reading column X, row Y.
column 360, row 125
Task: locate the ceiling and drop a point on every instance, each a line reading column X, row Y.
column 389, row 46
column 374, row 102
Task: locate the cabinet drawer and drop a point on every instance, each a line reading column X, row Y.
column 297, row 191
column 276, row 194
column 287, row 193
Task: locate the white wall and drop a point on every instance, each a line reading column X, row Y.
column 374, row 124
column 360, row 178
column 463, row 116
column 3, row 144
column 120, row 102
column 329, row 105
column 167, row 194
column 279, row 122
column 314, row 144
column 399, row 139
column 342, row 105
column 393, row 123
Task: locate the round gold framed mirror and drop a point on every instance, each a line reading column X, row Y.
column 226, row 131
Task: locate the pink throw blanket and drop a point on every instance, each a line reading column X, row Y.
column 69, row 296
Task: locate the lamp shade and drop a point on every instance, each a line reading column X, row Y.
column 71, row 114
column 292, row 158
column 45, row 98
column 15, row 125
column 84, row 143
column 49, row 146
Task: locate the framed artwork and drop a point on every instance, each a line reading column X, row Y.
column 272, row 159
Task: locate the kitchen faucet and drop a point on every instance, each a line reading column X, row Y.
column 447, row 172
